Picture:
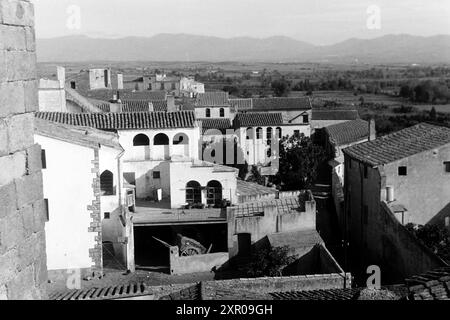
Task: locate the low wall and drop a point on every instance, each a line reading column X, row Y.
column 284, row 284
column 197, row 263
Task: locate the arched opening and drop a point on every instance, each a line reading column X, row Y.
column 249, row 133
column 259, row 133
column 208, row 113
column 180, row 138
column 193, row 192
column 214, row 193
column 222, row 112
column 141, row 140
column 279, row 133
column 161, row 140
column 107, row 183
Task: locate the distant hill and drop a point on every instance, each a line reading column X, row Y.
column 183, row 47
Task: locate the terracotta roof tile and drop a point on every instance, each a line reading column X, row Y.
column 433, row 285
column 401, row 144
column 254, row 119
column 220, row 124
column 212, row 99
column 123, row 121
column 348, row 132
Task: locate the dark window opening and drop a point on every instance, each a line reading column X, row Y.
column 269, row 134
column 296, row 133
column 47, row 215
column 306, row 118
column 249, row 133
column 161, row 140
column 174, row 87
column 222, row 112
column 214, row 193
column 279, row 133
column 156, row 175
column 193, row 193
column 107, row 183
column 259, row 133
column 73, row 85
column 447, row 166
column 162, row 86
column 208, row 113
column 44, row 159
column 107, row 215
column 402, row 171
column 141, row 140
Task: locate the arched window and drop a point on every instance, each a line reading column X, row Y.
column 193, row 192
column 214, row 193
column 279, row 133
column 107, row 183
column 249, row 133
column 161, row 140
column 141, row 140
column 259, row 133
column 180, row 138
column 208, row 113
column 222, row 112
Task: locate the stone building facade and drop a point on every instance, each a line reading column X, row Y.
column 23, row 270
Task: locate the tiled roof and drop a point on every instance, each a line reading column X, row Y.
column 122, row 121
column 335, row 115
column 212, row 99
column 273, row 104
column 241, row 104
column 143, row 105
column 220, row 124
column 401, row 144
column 284, row 206
column 254, row 119
column 348, row 132
column 433, row 285
column 245, row 188
column 124, row 94
column 330, row 294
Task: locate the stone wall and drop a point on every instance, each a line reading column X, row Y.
column 196, row 263
column 23, row 269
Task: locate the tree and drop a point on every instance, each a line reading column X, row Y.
column 435, row 237
column 433, row 114
column 281, row 88
column 269, row 262
column 256, row 176
column 299, row 161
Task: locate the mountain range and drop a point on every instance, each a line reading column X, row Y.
column 400, row 48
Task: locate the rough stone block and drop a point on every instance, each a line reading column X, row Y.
column 12, row 233
column 16, row 12
column 8, row 266
column 34, row 159
column 13, row 38
column 22, row 286
column 27, row 214
column 12, row 167
column 3, row 137
column 12, row 98
column 30, row 38
column 40, row 271
column 21, row 132
column 31, row 95
column 7, row 200
column 39, row 215
column 3, row 66
column 20, row 65
column 29, row 189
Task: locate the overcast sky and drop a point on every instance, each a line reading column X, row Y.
column 315, row 21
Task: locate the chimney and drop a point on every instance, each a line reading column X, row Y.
column 61, row 74
column 372, row 130
column 118, row 97
column 119, row 81
column 171, row 103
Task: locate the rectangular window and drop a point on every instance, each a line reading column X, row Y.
column 447, row 166
column 107, row 215
column 156, row 175
column 296, row 132
column 306, row 118
column 44, row 159
column 47, row 215
column 402, row 171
